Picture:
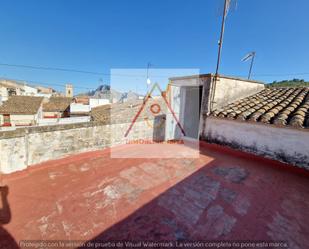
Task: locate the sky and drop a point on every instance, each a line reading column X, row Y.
column 104, row 35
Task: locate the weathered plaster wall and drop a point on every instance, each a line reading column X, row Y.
column 283, row 144
column 29, row 146
column 23, row 119
column 227, row 90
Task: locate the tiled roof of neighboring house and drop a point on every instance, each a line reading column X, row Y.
column 21, row 105
column 125, row 112
column 101, row 113
column 81, row 100
column 57, row 104
column 278, row 106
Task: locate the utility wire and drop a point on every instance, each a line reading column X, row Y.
column 51, row 69
column 125, row 75
column 73, row 70
column 22, row 81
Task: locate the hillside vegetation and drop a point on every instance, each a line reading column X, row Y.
column 289, row 83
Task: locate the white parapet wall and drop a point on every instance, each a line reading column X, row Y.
column 79, row 108
column 280, row 143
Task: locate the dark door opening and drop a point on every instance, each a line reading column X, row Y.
column 192, row 110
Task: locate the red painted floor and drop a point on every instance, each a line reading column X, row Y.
column 222, row 195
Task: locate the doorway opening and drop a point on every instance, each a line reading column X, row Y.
column 192, row 110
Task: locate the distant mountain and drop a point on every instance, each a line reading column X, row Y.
column 129, row 96
column 105, row 92
column 289, row 83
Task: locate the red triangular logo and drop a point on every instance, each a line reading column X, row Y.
column 148, row 96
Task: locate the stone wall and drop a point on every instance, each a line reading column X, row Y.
column 284, row 144
column 29, row 146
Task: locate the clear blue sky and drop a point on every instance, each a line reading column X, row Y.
column 106, row 34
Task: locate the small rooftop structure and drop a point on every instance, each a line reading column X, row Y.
column 196, row 96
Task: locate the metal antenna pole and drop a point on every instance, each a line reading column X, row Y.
column 250, row 70
column 221, row 37
column 219, row 54
column 148, row 66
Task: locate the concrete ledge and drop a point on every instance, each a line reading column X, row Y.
column 19, row 132
column 210, row 75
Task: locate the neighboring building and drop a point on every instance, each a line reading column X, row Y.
column 4, row 94
column 273, row 123
column 19, row 88
column 192, row 98
column 10, row 83
column 69, row 90
column 7, row 90
column 21, row 111
column 82, row 105
column 46, row 92
column 29, row 91
column 94, row 102
column 57, row 107
column 84, row 99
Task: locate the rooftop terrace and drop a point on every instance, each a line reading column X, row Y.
column 222, row 194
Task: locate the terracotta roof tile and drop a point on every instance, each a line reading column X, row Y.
column 125, row 112
column 57, row 104
column 21, row 105
column 280, row 106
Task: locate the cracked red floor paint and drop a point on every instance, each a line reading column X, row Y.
column 223, row 194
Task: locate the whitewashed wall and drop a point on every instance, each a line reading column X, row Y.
column 98, row 102
column 29, row 91
column 79, row 108
column 283, row 144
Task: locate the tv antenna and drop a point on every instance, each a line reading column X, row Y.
column 249, row 56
